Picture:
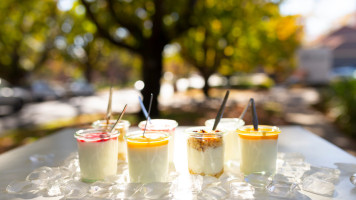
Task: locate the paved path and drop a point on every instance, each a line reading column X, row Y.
column 44, row 112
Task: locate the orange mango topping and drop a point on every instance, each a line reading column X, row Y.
column 150, row 140
column 261, row 134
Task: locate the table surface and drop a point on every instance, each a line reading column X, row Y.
column 15, row 164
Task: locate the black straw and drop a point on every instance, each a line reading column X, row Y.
column 148, row 115
column 221, row 110
column 245, row 109
column 254, row 115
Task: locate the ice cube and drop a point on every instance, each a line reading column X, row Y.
column 20, row 187
column 324, row 173
column 127, row 191
column 196, row 183
column 75, row 189
column 213, row 193
column 353, row 178
column 318, row 186
column 281, row 188
column 258, row 180
column 41, row 176
column 209, row 181
column 100, row 189
column 156, row 190
column 54, row 190
column 241, row 190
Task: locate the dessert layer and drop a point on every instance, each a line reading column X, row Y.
column 208, row 162
column 203, row 174
column 201, row 143
column 258, row 156
column 149, row 140
column 148, row 164
column 97, row 159
column 263, row 133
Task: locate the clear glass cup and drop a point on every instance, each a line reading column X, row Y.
column 231, row 138
column 147, row 156
column 97, row 151
column 258, row 149
column 122, row 127
column 166, row 125
column 205, row 151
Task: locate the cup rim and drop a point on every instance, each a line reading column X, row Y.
column 239, row 122
column 140, row 132
column 171, row 124
column 80, row 134
column 274, row 130
column 102, row 122
column 191, row 131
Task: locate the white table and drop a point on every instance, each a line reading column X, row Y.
column 15, row 164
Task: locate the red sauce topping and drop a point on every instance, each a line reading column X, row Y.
column 96, row 137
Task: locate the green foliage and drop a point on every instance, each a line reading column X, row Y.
column 27, row 33
column 239, row 36
column 343, row 104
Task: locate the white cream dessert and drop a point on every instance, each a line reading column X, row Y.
column 231, row 138
column 147, row 156
column 122, row 127
column 258, row 149
column 205, row 151
column 166, row 125
column 97, row 152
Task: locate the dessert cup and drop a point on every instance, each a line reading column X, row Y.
column 205, row 151
column 122, row 127
column 147, row 156
column 258, row 149
column 166, row 125
column 231, row 138
column 97, row 151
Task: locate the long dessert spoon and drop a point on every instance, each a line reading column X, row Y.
column 119, row 119
column 148, row 114
column 221, row 110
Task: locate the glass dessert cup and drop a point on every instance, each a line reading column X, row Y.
column 231, row 138
column 147, row 156
column 205, row 151
column 122, row 127
column 166, row 125
column 97, row 151
column 258, row 149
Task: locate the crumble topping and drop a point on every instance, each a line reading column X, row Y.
column 217, row 175
column 206, row 140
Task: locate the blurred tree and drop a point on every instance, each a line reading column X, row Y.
column 28, row 31
column 143, row 27
column 239, row 35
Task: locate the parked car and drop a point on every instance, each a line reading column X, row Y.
column 12, row 98
column 42, row 90
column 81, row 88
column 343, row 72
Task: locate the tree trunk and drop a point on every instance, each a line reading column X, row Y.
column 206, row 86
column 152, row 72
column 88, row 69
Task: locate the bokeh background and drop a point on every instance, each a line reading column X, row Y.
column 58, row 59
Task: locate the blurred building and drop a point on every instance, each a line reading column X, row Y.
column 342, row 43
column 333, row 53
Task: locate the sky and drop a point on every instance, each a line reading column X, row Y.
column 321, row 16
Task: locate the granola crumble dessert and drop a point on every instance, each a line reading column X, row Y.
column 206, row 152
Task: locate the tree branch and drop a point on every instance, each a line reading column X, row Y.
column 133, row 28
column 184, row 22
column 104, row 33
